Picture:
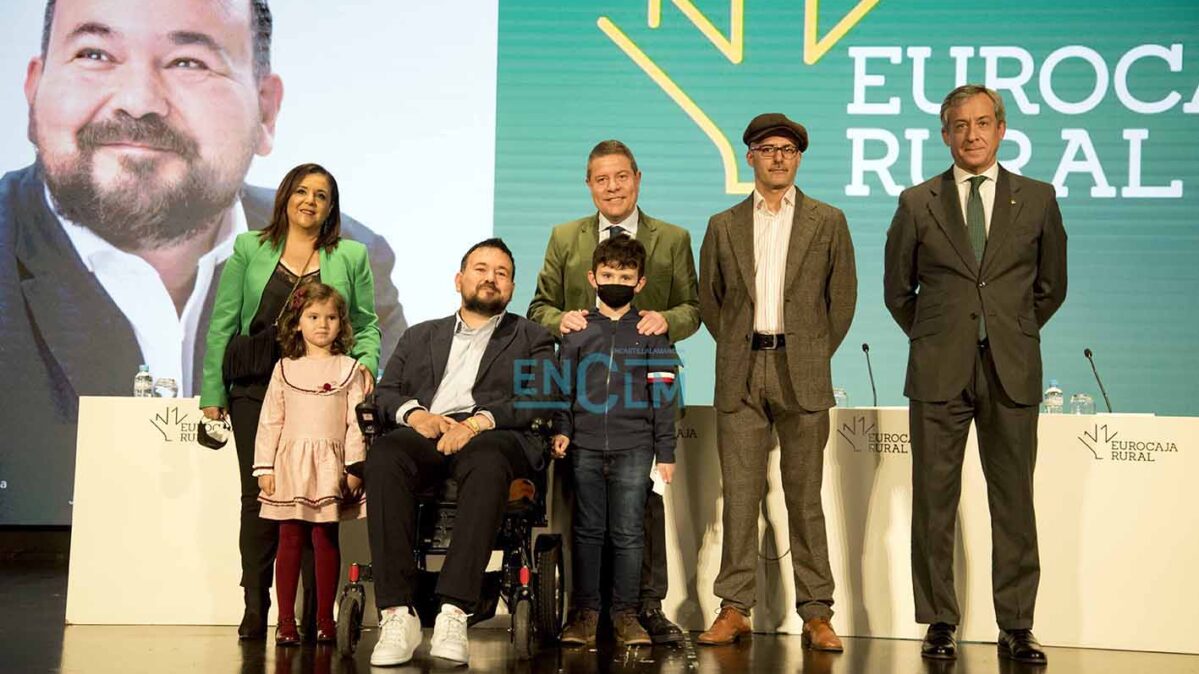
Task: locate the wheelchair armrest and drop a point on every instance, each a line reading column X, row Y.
column 371, row 420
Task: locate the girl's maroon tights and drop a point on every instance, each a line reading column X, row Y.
column 326, row 558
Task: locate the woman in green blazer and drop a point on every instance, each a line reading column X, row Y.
column 302, row 244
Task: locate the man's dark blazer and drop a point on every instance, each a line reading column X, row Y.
column 508, row 384
column 820, row 296
column 936, row 289
column 62, row 337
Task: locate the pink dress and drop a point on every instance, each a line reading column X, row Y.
column 307, row 434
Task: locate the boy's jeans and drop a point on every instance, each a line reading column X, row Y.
column 609, row 499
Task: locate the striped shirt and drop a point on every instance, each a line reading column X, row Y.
column 772, row 238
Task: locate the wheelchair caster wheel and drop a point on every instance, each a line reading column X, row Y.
column 522, row 629
column 349, row 620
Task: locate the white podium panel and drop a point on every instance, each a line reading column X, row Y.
column 155, row 522
column 154, row 527
column 154, row 532
column 154, row 539
column 1118, row 523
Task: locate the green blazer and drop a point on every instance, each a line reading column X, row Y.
column 243, row 280
column 671, row 287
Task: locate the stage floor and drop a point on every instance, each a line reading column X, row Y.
column 33, row 640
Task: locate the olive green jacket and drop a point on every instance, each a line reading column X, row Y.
column 671, row 287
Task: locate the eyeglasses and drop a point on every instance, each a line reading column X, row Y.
column 768, row 151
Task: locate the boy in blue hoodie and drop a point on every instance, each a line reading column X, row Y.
column 620, row 389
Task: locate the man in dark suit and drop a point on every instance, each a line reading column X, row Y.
column 777, row 291
column 128, row 213
column 975, row 266
column 454, row 385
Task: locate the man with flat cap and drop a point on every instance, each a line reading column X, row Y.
column 777, row 291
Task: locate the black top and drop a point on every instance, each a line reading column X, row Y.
column 276, row 292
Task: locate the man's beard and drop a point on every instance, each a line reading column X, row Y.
column 139, row 213
column 475, row 304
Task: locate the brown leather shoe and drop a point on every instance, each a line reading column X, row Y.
column 580, row 628
column 628, row 630
column 729, row 626
column 818, row 635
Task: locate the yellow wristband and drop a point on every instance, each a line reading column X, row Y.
column 473, row 425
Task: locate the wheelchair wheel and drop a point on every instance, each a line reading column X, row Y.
column 349, row 620
column 522, row 629
column 548, row 590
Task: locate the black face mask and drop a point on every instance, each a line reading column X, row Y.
column 615, row 295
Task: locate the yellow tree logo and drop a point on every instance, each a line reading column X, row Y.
column 732, row 47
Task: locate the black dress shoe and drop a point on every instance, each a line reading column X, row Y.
column 940, row 642
column 1021, row 646
column 253, row 620
column 308, row 627
column 661, row 630
column 252, row 627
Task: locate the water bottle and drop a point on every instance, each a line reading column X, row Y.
column 1054, row 399
column 143, row 383
column 840, row 397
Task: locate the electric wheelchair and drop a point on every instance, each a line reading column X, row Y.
column 531, row 576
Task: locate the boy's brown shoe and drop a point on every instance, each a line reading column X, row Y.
column 628, row 630
column 580, row 628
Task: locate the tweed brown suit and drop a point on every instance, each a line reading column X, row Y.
column 786, row 392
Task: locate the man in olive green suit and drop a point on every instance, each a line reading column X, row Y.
column 669, row 304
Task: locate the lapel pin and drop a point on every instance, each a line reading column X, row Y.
column 1013, row 202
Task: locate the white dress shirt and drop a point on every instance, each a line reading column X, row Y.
column 772, row 238
column 986, row 191
column 166, row 337
column 630, row 225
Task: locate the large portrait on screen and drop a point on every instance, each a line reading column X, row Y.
column 145, row 117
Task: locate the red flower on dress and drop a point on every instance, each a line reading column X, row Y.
column 327, row 386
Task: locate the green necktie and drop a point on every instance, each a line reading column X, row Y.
column 976, row 225
column 976, row 218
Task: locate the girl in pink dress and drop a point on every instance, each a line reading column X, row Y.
column 308, row 453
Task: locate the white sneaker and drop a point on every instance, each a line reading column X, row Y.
column 449, row 636
column 399, row 635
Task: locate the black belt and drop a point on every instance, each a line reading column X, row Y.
column 762, row 342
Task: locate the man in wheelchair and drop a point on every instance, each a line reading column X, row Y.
column 450, row 387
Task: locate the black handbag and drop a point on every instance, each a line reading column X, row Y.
column 249, row 358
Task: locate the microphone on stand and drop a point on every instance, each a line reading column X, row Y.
column 870, row 371
column 1106, row 400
